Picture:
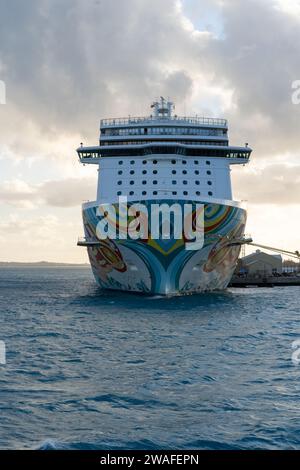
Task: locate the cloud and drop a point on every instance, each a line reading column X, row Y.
column 17, row 193
column 40, row 237
column 275, row 184
column 258, row 58
column 61, row 193
column 68, row 63
column 68, row 193
column 66, row 67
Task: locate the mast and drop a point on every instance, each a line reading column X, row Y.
column 163, row 108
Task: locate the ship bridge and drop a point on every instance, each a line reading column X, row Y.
column 164, row 155
column 163, row 132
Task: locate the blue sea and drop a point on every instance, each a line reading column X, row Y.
column 88, row 369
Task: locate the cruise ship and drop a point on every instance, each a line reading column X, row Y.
column 164, row 159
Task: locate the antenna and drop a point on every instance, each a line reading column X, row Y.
column 162, row 108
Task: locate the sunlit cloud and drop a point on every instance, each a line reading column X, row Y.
column 73, row 62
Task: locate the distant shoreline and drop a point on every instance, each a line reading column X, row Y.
column 41, row 264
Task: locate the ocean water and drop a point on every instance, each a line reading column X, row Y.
column 87, row 369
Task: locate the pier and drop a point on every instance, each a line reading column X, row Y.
column 260, row 269
column 268, row 281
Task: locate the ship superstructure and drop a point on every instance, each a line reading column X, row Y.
column 165, row 158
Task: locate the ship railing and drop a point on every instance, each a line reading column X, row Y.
column 185, row 119
column 119, row 143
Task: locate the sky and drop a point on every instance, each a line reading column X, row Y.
column 67, row 63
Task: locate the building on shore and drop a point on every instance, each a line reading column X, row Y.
column 260, row 264
column 291, row 267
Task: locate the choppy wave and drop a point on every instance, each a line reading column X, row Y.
column 93, row 370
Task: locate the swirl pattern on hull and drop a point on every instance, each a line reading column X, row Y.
column 165, row 266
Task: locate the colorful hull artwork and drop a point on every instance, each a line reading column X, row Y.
column 166, row 267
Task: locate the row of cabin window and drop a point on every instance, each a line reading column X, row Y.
column 163, row 130
column 156, row 182
column 184, row 162
column 174, row 193
column 154, row 172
